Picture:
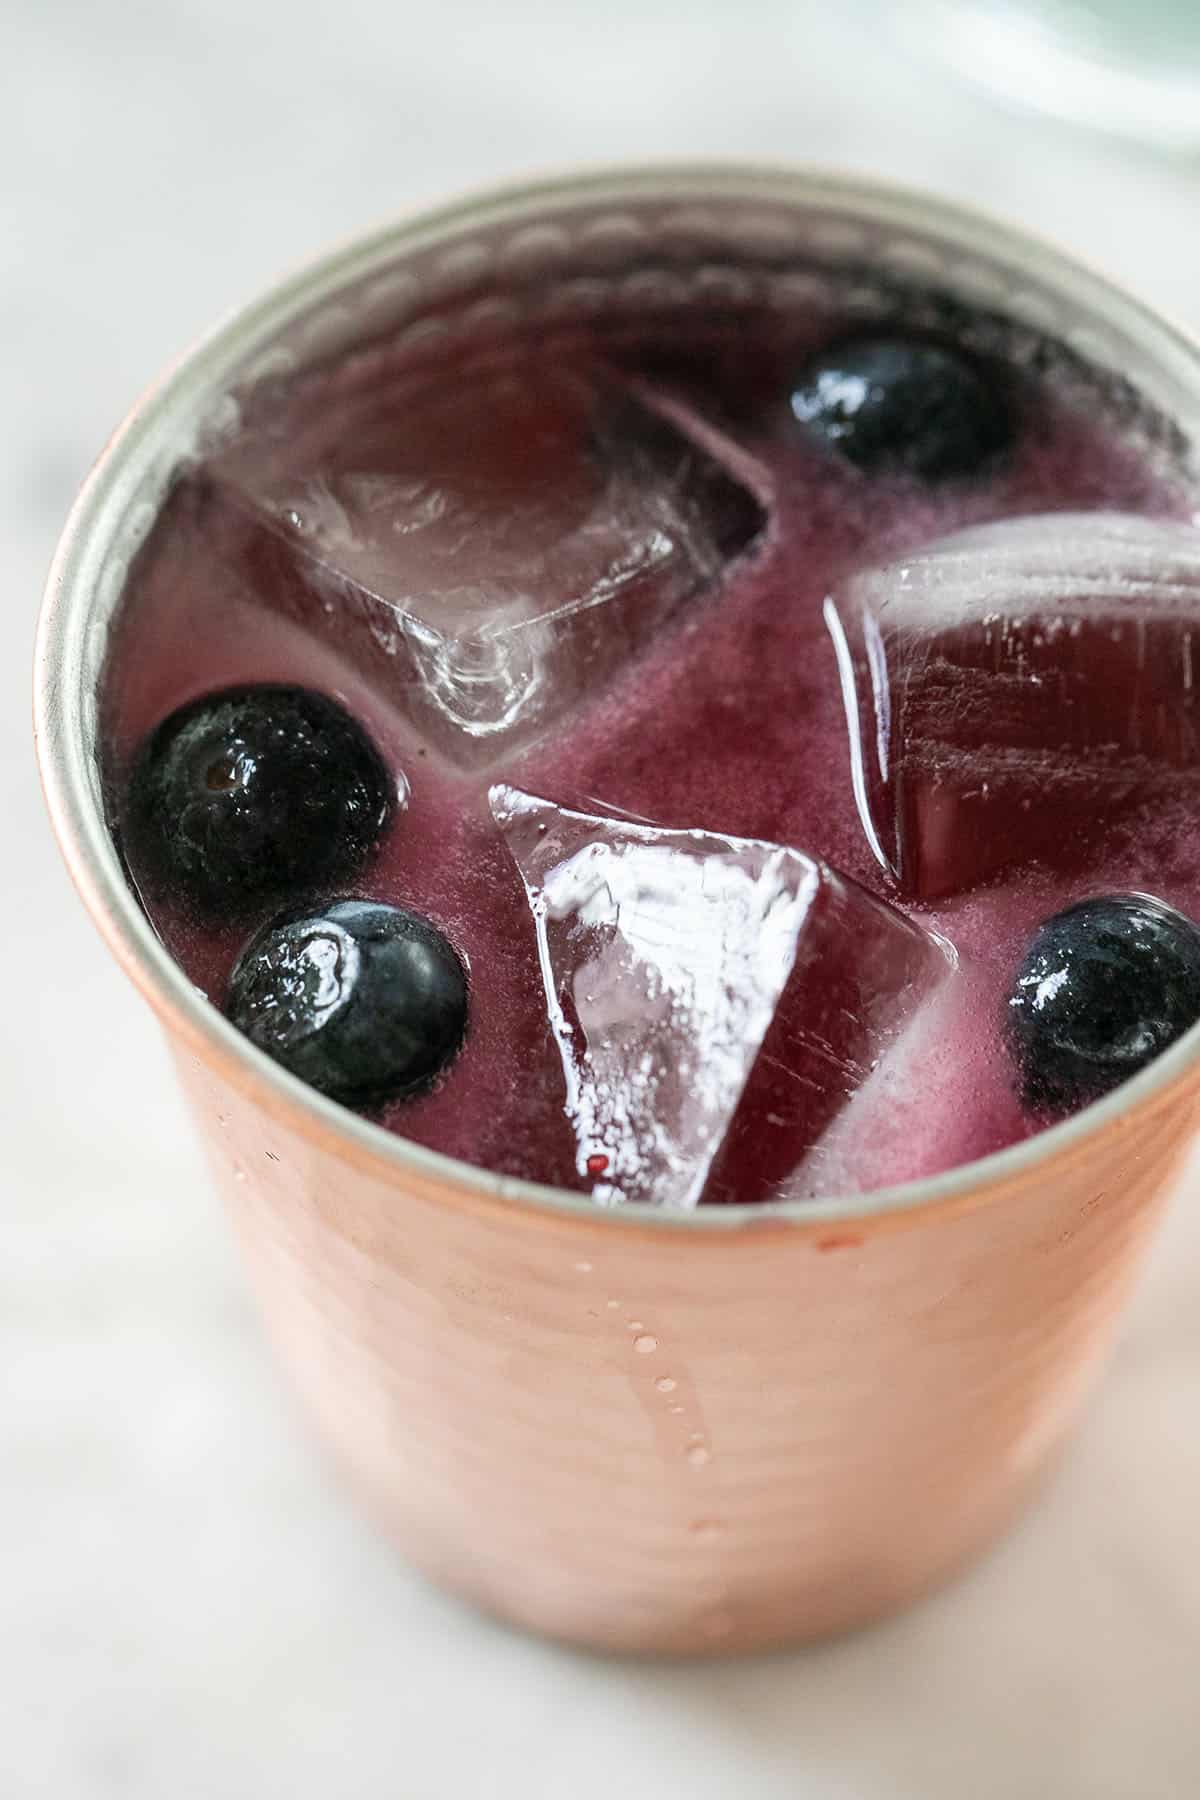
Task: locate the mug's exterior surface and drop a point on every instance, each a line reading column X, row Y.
column 666, row 1440
column 686, row 1435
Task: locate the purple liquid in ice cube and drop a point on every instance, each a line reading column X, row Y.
column 1011, row 687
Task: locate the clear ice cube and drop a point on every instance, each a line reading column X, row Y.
column 1010, row 687
column 493, row 541
column 714, row 999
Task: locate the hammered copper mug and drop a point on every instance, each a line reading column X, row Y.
column 637, row 1430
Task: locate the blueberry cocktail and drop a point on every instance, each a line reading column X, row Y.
column 730, row 755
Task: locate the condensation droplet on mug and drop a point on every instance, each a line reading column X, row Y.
column 666, row 1384
column 612, row 1305
column 583, row 1267
column 646, row 1344
column 635, row 1325
column 239, row 1174
column 698, row 1455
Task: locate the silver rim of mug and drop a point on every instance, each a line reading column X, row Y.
column 946, row 245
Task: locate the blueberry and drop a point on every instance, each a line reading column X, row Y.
column 248, row 794
column 363, row 1001
column 904, row 407
column 1104, row 988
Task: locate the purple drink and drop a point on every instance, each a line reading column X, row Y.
column 609, row 583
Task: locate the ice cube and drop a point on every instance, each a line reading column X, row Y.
column 1009, row 688
column 930, row 1103
column 493, row 541
column 714, row 999
column 861, row 976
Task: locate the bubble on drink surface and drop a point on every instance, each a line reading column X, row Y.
column 491, row 540
column 715, row 1000
column 1010, row 688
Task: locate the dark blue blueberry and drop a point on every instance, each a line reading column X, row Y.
column 1104, row 988
column 363, row 1001
column 892, row 406
column 253, row 793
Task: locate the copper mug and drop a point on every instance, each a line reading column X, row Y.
column 635, row 1430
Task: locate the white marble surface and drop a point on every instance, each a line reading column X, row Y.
column 187, row 1607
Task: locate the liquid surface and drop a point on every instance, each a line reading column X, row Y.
column 595, row 573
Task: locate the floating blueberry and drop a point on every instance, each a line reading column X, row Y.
column 1104, row 988
column 890, row 405
column 363, row 1001
column 253, row 792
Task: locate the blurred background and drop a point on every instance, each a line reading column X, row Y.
column 188, row 1606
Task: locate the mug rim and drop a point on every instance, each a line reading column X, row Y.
column 77, row 815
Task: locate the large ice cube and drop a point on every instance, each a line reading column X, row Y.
column 493, row 540
column 714, row 999
column 1009, row 687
